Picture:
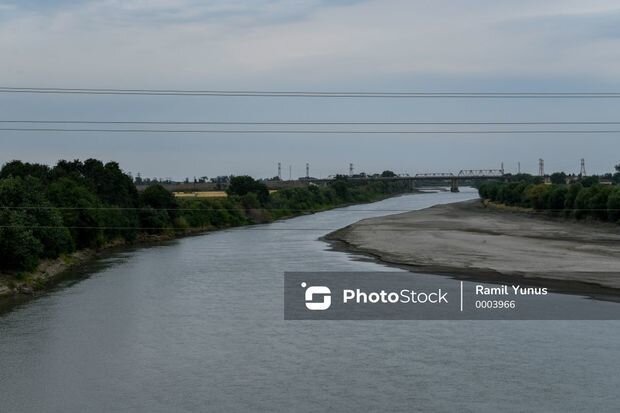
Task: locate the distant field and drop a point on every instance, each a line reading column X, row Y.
column 201, row 194
column 207, row 194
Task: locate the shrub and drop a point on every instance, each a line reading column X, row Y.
column 613, row 205
column 537, row 195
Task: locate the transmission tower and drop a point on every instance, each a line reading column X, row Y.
column 279, row 171
column 541, row 167
column 583, row 167
column 307, row 170
column 350, row 169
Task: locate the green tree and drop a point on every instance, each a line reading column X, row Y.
column 19, row 248
column 159, row 208
column 616, row 176
column 341, row 190
column 571, row 195
column 24, row 199
column 526, row 178
column 242, row 185
column 388, row 174
column 582, row 202
column 114, row 187
column 512, row 193
column 557, row 199
column 158, row 197
column 80, row 211
column 558, row 178
column 537, row 195
column 613, row 205
column 491, row 190
column 20, row 169
column 153, row 221
column 108, row 181
column 598, row 201
column 250, row 201
column 589, row 181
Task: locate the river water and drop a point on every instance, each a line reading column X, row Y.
column 197, row 325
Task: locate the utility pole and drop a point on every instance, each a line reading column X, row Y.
column 583, row 168
column 279, row 171
column 307, row 170
column 541, row 167
column 350, row 169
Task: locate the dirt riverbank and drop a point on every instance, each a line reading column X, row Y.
column 486, row 243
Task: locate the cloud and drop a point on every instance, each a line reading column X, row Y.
column 185, row 42
column 6, row 7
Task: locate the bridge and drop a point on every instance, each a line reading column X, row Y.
column 464, row 174
column 419, row 179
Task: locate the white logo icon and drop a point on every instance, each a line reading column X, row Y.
column 321, row 291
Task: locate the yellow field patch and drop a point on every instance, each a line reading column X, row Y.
column 207, row 194
column 201, row 194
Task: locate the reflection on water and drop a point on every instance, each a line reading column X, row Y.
column 198, row 325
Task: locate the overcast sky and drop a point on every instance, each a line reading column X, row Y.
column 336, row 45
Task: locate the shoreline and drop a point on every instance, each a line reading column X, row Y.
column 50, row 272
column 479, row 242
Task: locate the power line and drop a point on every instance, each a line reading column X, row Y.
column 282, row 131
column 310, row 94
column 257, row 123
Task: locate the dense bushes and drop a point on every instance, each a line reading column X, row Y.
column 339, row 192
column 592, row 200
column 46, row 212
column 245, row 185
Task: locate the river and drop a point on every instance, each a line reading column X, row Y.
column 197, row 325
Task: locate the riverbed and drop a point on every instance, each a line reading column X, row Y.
column 485, row 242
column 197, row 325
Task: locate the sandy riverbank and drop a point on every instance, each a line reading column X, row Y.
column 481, row 242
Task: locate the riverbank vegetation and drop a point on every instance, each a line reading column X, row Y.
column 47, row 212
column 582, row 199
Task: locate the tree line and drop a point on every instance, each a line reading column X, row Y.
column 46, row 212
column 585, row 198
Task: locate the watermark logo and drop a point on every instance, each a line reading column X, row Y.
column 400, row 295
column 323, row 292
